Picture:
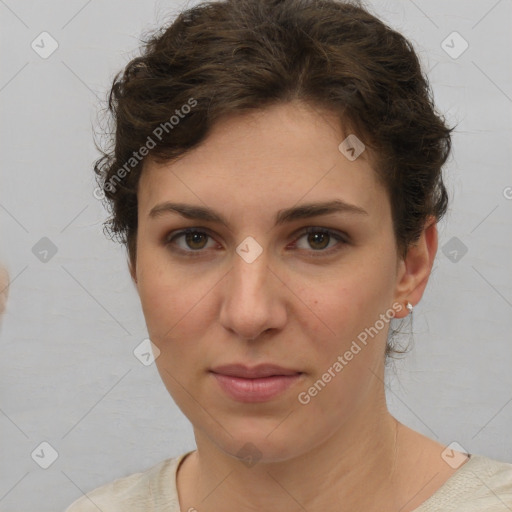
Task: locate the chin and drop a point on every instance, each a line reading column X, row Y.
column 261, row 448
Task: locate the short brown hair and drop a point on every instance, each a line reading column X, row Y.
column 227, row 57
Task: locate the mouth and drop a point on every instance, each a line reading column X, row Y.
column 253, row 385
column 256, row 372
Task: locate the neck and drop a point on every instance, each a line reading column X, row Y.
column 354, row 467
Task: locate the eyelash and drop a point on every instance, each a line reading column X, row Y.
column 315, row 253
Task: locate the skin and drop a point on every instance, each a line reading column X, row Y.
column 292, row 306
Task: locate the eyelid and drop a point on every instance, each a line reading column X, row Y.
column 341, row 237
column 173, row 235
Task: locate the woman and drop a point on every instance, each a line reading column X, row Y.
column 276, row 178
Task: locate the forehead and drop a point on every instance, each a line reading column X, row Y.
column 266, row 160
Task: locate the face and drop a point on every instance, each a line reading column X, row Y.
column 300, row 303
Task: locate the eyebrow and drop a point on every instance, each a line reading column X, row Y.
column 302, row 211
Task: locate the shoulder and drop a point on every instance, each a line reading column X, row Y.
column 152, row 489
column 482, row 484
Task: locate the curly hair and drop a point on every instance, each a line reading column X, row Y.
column 227, row 57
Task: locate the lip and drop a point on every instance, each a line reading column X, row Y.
column 256, row 372
column 255, row 390
column 258, row 384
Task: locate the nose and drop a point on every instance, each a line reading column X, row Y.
column 254, row 298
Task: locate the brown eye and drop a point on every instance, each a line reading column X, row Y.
column 318, row 240
column 321, row 240
column 192, row 240
column 196, row 239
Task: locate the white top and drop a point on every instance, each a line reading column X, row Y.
column 481, row 484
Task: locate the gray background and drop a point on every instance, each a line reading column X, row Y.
column 68, row 373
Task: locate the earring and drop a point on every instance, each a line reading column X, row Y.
column 409, row 306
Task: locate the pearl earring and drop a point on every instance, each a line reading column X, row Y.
column 409, row 306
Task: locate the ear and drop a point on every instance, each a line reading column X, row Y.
column 414, row 271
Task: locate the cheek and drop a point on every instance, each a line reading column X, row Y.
column 164, row 289
column 351, row 301
column 170, row 310
column 162, row 295
column 343, row 310
column 177, row 308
